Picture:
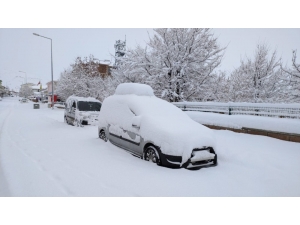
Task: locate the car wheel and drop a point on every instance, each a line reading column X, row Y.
column 151, row 155
column 102, row 135
column 66, row 120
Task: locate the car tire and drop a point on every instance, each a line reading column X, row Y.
column 151, row 155
column 76, row 123
column 66, row 120
column 102, row 135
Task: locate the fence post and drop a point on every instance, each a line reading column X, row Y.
column 229, row 111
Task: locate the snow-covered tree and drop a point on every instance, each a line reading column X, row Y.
column 84, row 79
column 2, row 88
column 177, row 63
column 293, row 79
column 257, row 80
column 217, row 91
column 25, row 91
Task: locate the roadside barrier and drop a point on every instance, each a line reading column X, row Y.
column 291, row 111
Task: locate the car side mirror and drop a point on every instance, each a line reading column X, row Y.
column 136, row 122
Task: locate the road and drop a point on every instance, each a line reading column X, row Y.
column 40, row 155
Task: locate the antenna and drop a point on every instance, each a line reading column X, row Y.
column 120, row 49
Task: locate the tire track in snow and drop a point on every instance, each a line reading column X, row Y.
column 56, row 179
column 37, row 162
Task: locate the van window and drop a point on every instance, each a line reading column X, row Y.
column 89, row 106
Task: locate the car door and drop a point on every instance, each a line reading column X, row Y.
column 71, row 113
column 120, row 133
column 130, row 135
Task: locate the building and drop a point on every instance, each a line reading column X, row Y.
column 104, row 69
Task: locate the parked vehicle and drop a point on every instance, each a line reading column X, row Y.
column 81, row 111
column 24, row 100
column 154, row 130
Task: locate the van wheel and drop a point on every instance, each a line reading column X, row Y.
column 102, row 135
column 151, row 155
column 74, row 123
column 66, row 120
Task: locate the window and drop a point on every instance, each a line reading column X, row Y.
column 89, row 106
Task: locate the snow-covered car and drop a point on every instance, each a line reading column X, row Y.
column 24, row 100
column 81, row 111
column 154, row 129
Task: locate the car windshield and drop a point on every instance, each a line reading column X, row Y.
column 89, row 106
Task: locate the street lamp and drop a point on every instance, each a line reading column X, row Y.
column 52, row 100
column 25, row 76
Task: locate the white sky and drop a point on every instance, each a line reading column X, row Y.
column 22, row 51
column 90, row 28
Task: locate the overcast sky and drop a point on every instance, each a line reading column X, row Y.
column 22, row 51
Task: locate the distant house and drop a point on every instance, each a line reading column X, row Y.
column 104, row 69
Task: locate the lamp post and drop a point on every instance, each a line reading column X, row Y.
column 52, row 99
column 25, row 76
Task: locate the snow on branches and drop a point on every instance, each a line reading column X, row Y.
column 177, row 63
column 258, row 79
column 84, row 79
column 293, row 75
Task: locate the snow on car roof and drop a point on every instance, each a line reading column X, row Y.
column 134, row 88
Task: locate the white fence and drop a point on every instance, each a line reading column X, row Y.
column 257, row 109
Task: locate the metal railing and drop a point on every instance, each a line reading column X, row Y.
column 256, row 109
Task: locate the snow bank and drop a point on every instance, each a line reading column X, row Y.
column 134, row 88
column 272, row 105
column 239, row 121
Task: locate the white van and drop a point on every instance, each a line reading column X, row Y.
column 81, row 111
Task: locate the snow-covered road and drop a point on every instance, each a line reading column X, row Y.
column 42, row 156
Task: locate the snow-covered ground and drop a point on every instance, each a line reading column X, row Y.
column 239, row 121
column 42, row 156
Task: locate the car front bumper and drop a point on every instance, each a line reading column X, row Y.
column 205, row 157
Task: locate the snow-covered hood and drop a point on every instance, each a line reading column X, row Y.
column 176, row 137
